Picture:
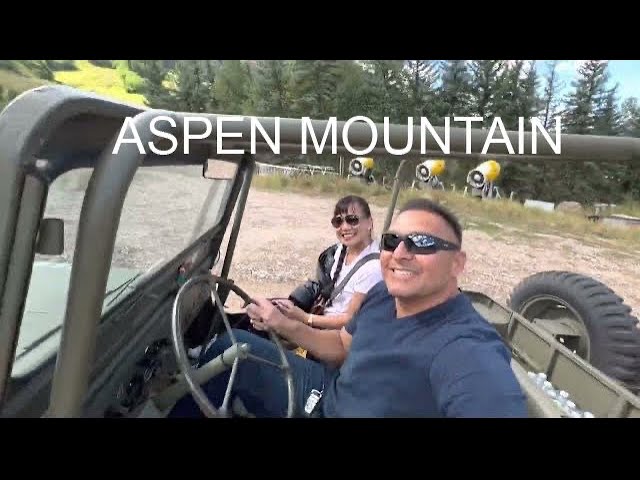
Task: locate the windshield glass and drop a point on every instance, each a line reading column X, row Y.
column 163, row 212
column 165, row 209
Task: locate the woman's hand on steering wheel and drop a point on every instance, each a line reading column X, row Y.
column 265, row 315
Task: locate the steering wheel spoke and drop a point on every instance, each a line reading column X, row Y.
column 224, row 409
column 183, row 361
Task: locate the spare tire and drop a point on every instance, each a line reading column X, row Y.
column 606, row 333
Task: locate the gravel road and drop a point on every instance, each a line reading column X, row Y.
column 282, row 235
column 293, row 229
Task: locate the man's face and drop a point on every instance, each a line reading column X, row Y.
column 412, row 277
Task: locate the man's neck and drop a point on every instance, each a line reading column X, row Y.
column 408, row 307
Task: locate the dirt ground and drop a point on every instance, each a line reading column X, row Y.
column 293, row 229
column 282, row 235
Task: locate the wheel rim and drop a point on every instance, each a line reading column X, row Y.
column 552, row 308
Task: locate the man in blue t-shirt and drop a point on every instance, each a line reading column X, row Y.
column 416, row 348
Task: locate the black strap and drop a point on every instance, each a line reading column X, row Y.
column 360, row 262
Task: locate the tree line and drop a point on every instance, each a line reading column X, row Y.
column 435, row 89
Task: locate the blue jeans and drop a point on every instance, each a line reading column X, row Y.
column 261, row 387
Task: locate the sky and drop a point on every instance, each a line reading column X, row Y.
column 624, row 72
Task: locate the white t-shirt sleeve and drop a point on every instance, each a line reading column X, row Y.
column 367, row 276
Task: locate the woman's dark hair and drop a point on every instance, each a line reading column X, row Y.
column 342, row 207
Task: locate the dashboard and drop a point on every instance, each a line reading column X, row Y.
column 151, row 373
column 153, row 368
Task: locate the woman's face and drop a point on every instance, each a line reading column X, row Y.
column 352, row 227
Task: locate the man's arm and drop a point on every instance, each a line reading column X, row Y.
column 473, row 378
column 330, row 346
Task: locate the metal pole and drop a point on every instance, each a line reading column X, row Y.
column 97, row 230
column 242, row 201
column 18, row 274
column 394, row 197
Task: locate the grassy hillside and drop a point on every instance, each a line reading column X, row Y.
column 30, row 68
column 101, row 80
column 17, row 76
column 12, row 81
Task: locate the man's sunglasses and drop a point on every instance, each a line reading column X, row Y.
column 351, row 219
column 417, row 243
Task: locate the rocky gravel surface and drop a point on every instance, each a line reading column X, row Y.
column 282, row 235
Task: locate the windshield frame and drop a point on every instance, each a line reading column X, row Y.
column 60, row 129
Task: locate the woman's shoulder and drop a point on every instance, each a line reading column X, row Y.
column 330, row 251
column 370, row 272
column 328, row 257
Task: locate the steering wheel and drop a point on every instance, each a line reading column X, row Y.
column 239, row 353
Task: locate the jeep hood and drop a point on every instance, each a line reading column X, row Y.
column 45, row 307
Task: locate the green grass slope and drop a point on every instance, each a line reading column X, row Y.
column 16, row 76
column 11, row 81
column 101, row 80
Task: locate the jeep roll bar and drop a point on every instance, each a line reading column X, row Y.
column 32, row 134
column 44, row 133
column 49, row 130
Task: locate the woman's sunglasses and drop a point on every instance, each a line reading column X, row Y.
column 417, row 243
column 351, row 219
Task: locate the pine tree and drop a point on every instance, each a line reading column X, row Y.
column 313, row 85
column 508, row 95
column 422, row 76
column 530, row 104
column 355, row 92
column 454, row 95
column 486, row 78
column 589, row 89
column 607, row 115
column 269, row 91
column 387, row 83
column 517, row 97
column 551, row 100
column 192, row 86
column 627, row 175
column 155, row 93
column 586, row 112
column 630, row 117
column 231, row 89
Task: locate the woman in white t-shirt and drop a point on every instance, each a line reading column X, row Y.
column 354, row 229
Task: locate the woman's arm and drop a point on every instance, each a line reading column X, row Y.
column 329, row 321
column 365, row 278
column 330, row 346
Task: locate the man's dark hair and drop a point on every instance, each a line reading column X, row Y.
column 426, row 205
